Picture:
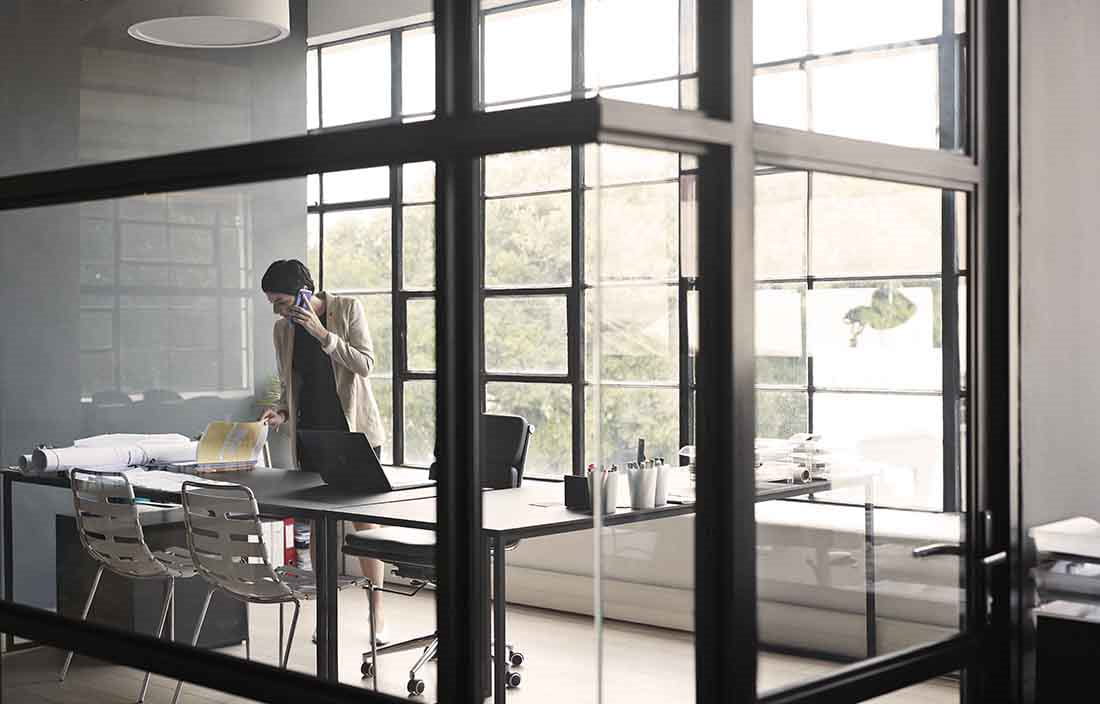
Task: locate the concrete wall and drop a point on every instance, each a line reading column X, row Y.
column 1060, row 257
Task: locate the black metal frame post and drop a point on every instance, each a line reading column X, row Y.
column 725, row 574
column 460, row 597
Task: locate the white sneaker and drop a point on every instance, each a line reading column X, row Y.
column 380, row 637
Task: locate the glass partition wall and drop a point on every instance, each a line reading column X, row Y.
column 562, row 211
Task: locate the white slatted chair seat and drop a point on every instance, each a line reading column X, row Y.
column 107, row 520
column 109, row 528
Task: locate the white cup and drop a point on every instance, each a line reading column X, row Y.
column 643, row 486
column 660, row 490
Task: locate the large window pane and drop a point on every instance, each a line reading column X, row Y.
column 780, row 225
column 611, row 164
column 356, row 185
column 527, row 172
column 418, row 71
column 890, row 96
column 780, row 351
column 632, row 40
column 418, row 179
column 357, row 250
column 355, row 81
column 879, row 78
column 639, row 333
column 313, row 245
column 877, row 335
column 547, row 407
column 312, row 86
column 527, row 241
column 379, row 317
column 527, row 52
column 526, row 335
column 621, row 415
column 637, row 236
column 781, row 414
column 382, row 388
column 419, row 422
column 866, row 227
column 421, row 334
column 418, row 247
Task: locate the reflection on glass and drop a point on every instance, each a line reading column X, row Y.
column 418, row 71
column 904, row 433
column 549, row 408
column 421, row 334
column 357, row 250
column 364, row 64
column 379, row 319
column 419, row 423
column 877, row 335
column 526, row 335
column 527, row 241
column 357, row 184
column 418, row 247
column 639, row 334
column 527, row 52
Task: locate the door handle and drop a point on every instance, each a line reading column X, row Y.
column 937, row 549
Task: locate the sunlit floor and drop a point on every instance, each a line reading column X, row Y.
column 641, row 664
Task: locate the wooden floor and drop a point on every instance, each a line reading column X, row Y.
column 641, row 664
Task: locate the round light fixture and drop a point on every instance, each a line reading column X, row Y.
column 213, row 24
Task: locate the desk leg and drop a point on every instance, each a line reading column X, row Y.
column 869, row 568
column 326, row 550
column 500, row 602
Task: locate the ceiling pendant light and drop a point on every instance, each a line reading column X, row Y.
column 212, row 24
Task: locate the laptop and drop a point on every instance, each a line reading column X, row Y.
column 347, row 461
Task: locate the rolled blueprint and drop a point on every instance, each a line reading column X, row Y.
column 127, row 455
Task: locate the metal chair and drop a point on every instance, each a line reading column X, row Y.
column 108, row 525
column 226, row 544
column 505, row 440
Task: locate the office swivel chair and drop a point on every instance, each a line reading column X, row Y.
column 109, row 528
column 505, row 440
column 225, row 539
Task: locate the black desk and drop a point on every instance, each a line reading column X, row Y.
column 533, row 510
column 278, row 492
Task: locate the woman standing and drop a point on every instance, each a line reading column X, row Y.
column 325, row 355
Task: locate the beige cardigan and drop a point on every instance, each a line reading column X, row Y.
column 352, row 352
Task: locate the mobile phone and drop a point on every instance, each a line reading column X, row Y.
column 302, row 299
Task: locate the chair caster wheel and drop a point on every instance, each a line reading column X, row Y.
column 512, row 679
column 367, row 669
column 516, row 658
column 416, row 687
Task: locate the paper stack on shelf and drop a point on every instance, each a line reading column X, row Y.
column 1073, row 536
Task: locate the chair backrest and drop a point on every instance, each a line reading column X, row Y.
column 504, row 443
column 226, row 541
column 108, row 525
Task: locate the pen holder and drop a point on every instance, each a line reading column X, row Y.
column 660, row 490
column 576, row 493
column 643, row 486
column 609, row 490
